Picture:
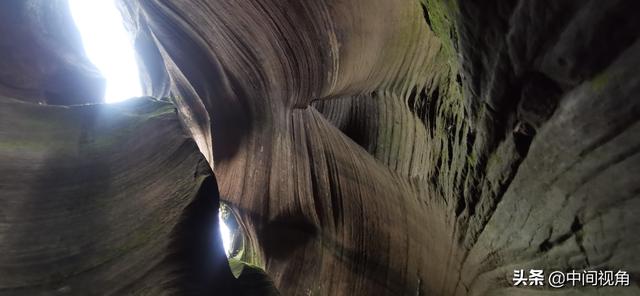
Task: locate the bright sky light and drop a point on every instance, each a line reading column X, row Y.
column 225, row 233
column 108, row 46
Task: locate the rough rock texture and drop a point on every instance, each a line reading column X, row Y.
column 41, row 55
column 411, row 148
column 89, row 204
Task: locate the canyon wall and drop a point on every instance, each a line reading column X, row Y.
column 368, row 147
column 410, row 148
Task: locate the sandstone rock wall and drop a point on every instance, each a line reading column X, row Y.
column 369, row 147
column 412, row 148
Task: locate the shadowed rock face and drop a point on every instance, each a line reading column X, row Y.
column 369, row 147
column 91, row 206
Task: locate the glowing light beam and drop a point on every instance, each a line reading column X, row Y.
column 108, row 46
column 225, row 233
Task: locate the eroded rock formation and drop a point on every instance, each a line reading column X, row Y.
column 90, row 205
column 397, row 149
column 391, row 147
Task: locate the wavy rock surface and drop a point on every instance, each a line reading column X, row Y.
column 369, row 147
column 406, row 148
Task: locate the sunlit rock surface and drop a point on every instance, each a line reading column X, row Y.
column 369, row 147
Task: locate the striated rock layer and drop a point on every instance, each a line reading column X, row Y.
column 368, row 147
column 411, row 148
